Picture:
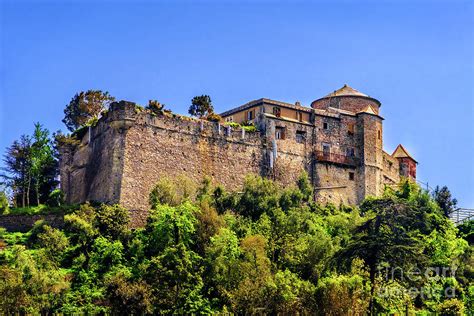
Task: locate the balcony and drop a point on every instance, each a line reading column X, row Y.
column 335, row 158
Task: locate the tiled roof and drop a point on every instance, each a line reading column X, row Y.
column 401, row 152
column 265, row 101
column 368, row 109
column 346, row 91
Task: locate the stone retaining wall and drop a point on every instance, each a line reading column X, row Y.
column 23, row 223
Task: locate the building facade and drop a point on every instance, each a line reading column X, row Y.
column 338, row 141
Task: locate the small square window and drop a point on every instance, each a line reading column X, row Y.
column 300, row 136
column 280, row 133
column 351, row 176
column 250, row 115
column 325, row 125
column 326, row 149
column 350, row 152
column 350, row 129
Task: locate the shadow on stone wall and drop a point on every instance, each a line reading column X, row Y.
column 23, row 223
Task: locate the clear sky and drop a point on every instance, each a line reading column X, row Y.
column 416, row 57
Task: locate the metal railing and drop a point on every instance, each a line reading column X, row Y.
column 335, row 158
column 462, row 215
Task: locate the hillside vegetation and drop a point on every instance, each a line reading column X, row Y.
column 264, row 250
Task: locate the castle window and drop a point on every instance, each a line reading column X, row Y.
column 326, row 149
column 276, row 111
column 350, row 152
column 351, row 176
column 379, row 134
column 300, row 136
column 325, row 125
column 350, row 129
column 250, row 115
column 280, row 133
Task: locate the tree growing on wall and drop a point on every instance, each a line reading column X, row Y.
column 155, row 106
column 84, row 107
column 201, row 106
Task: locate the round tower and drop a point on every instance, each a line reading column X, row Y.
column 348, row 99
column 360, row 113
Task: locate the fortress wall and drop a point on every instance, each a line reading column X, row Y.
column 92, row 170
column 333, row 184
column 292, row 157
column 130, row 150
column 391, row 169
column 163, row 146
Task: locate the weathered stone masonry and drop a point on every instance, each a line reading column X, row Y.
column 120, row 159
column 338, row 142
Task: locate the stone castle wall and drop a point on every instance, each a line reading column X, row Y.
column 163, row 146
column 23, row 223
column 121, row 158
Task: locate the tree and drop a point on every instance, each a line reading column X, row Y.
column 404, row 229
column 129, row 297
column 259, row 195
column 174, row 269
column 201, row 106
column 112, row 221
column 31, row 167
column 155, row 106
column 4, row 204
column 18, row 170
column 446, row 202
column 84, row 107
column 43, row 163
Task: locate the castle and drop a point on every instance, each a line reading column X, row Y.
column 338, row 141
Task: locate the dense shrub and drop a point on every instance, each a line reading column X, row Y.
column 261, row 250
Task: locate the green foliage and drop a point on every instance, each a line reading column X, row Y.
column 85, row 107
column 466, row 231
column 201, row 106
column 112, row 221
column 305, row 186
column 42, row 209
column 155, row 107
column 55, row 198
column 128, row 297
column 31, row 167
column 30, row 283
column 342, row 294
column 4, row 203
column 258, row 195
column 451, row 307
column 248, row 127
column 171, row 192
column 54, row 242
column 443, row 198
column 213, row 117
column 261, row 250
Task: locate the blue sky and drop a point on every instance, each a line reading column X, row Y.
column 416, row 57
